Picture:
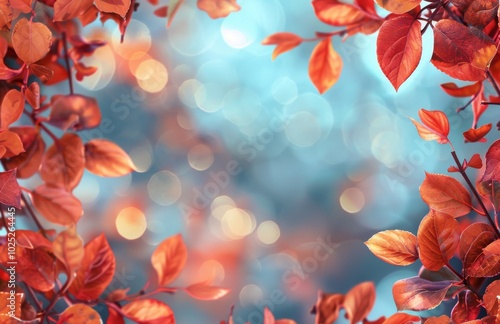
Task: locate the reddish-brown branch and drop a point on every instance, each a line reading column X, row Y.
column 66, row 60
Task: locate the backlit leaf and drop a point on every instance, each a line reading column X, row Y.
column 470, row 234
column 79, row 313
column 106, row 159
column 475, row 162
column 218, row 8
column 149, row 311
column 474, row 253
column 284, row 42
column 400, row 318
column 399, row 48
column 27, row 163
column 203, row 291
column 69, row 9
column 327, row 307
column 325, row 65
column 68, row 248
column 31, row 40
column 394, row 246
column 478, row 13
column 169, row 259
column 460, row 92
column 487, row 264
column 489, row 184
column 478, row 108
column 398, row 6
column 119, row 7
column 467, row 307
column 5, row 14
column 445, row 194
column 10, row 192
column 491, row 300
column 437, row 239
column 75, row 112
column 336, row 13
column 359, row 301
column 477, row 134
column 435, row 125
column 57, row 205
column 10, row 144
column 419, row 294
column 11, row 109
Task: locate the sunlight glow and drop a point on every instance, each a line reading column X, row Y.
column 131, row 223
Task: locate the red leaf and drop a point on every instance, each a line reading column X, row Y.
column 161, row 12
column 79, row 313
column 106, row 159
column 398, row 6
column 33, row 95
column 149, row 311
column 27, row 163
column 31, row 40
column 268, row 317
column 443, row 319
column 284, row 42
column 477, row 13
column 114, row 317
column 477, row 134
column 63, row 163
column 460, row 92
column 467, row 307
column 359, row 301
column 118, row 294
column 478, row 108
column 470, row 234
column 327, row 307
column 399, row 48
column 57, row 205
column 490, row 298
column 12, row 108
column 336, row 13
column 475, row 162
column 10, row 192
column 68, row 248
column 394, row 246
column 169, row 259
column 489, row 184
column 435, row 126
column 400, row 318
column 119, row 7
column 445, row 194
column 96, row 271
column 37, row 268
column 325, row 65
column 461, row 52
column 69, row 9
column 75, row 112
column 487, row 263
column 437, row 239
column 10, row 144
column 475, row 250
column 218, row 8
column 5, row 14
column 419, row 294
column 203, row 291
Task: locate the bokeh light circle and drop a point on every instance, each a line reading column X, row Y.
column 131, row 223
column 164, row 188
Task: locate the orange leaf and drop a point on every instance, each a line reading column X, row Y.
column 443, row 319
column 398, row 6
column 114, row 317
column 475, row 162
column 435, row 126
column 10, row 192
column 325, row 65
column 445, row 194
column 394, row 246
column 69, row 9
column 477, row 134
column 12, row 108
column 284, row 42
column 119, row 7
column 477, row 13
column 327, row 307
column 218, row 8
column 467, row 307
column 106, row 159
column 37, row 269
column 490, row 299
column 203, row 291
column 96, row 271
column 470, row 234
column 68, row 248
column 27, row 163
column 79, row 313
column 399, row 318
column 336, row 13
column 149, row 311
column 467, row 91
column 475, row 251
column 57, row 205
column 487, row 263
column 31, row 40
column 10, row 144
column 63, row 163
column 419, row 294
column 33, row 95
column 462, row 52
column 169, row 259
column 399, row 48
column 5, row 14
column 489, row 184
column 75, row 112
column 359, row 301
column 437, row 239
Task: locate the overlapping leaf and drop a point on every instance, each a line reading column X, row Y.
column 419, row 294
column 169, row 259
column 435, row 125
column 106, row 159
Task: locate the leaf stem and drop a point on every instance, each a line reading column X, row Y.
column 66, row 60
column 32, row 214
column 493, row 82
column 474, row 191
column 465, row 281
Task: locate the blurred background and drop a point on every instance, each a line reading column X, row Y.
column 273, row 186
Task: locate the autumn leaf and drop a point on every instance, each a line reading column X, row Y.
column 443, row 319
column 149, row 311
column 399, row 318
column 79, row 313
column 336, row 13
column 28, row 162
column 10, row 144
column 31, row 40
column 5, row 14
column 398, row 6
column 489, row 184
column 477, row 13
column 119, row 7
column 475, row 253
column 69, row 9
column 68, row 248
column 96, row 271
column 11, row 109
column 435, row 126
column 37, row 268
column 419, row 294
column 57, row 205
column 491, row 302
column 359, row 301
column 10, row 192
column 399, row 48
column 470, row 234
column 63, row 163
column 325, row 65
column 32, row 94
column 437, row 239
column 327, row 307
column 445, row 194
column 487, row 263
column 75, row 112
column 396, row 247
column 169, row 259
column 475, row 162
column 114, row 317
column 203, row 291
column 467, row 307
column 284, row 41
column 218, row 8
column 270, row 319
column 477, row 134
column 460, row 92
column 106, row 159
column 478, row 108
column 462, row 52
